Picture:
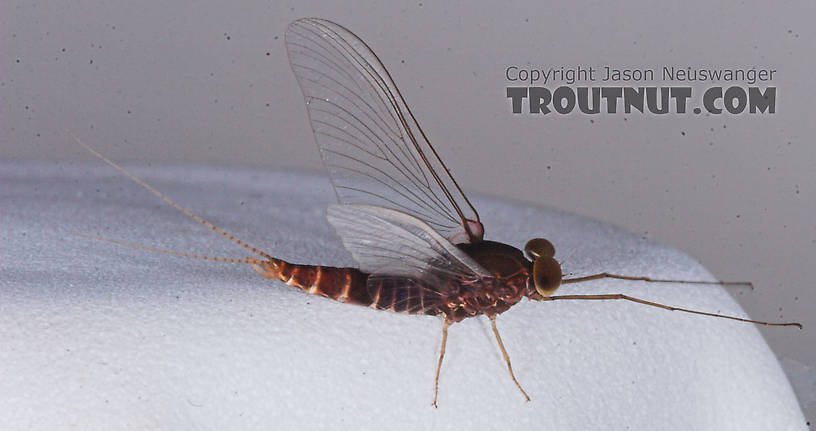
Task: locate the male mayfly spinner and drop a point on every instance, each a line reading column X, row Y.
column 415, row 235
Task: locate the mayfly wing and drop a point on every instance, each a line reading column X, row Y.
column 369, row 140
column 406, row 253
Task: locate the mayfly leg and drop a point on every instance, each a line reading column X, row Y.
column 619, row 296
column 654, row 280
column 445, row 327
column 506, row 356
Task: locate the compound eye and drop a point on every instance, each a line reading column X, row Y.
column 546, row 275
column 538, row 247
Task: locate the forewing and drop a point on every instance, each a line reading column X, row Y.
column 403, row 251
column 371, row 144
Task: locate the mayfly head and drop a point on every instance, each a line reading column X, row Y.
column 546, row 275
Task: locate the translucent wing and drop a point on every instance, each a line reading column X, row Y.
column 404, row 252
column 370, row 142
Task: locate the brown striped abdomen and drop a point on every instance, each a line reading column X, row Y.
column 341, row 284
column 349, row 285
column 403, row 295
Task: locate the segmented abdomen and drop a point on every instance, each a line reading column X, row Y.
column 349, row 285
column 402, row 295
column 341, row 284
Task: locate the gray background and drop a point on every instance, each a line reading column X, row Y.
column 208, row 83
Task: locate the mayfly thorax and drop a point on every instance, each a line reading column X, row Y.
column 416, row 237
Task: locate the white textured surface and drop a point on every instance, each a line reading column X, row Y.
column 96, row 336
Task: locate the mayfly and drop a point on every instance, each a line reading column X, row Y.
column 404, row 219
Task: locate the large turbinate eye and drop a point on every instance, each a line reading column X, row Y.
column 546, row 275
column 546, row 270
column 538, row 247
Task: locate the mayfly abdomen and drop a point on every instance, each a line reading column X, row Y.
column 403, row 296
column 350, row 285
column 341, row 284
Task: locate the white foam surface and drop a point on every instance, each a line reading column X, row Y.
column 97, row 336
